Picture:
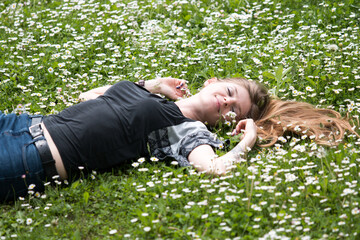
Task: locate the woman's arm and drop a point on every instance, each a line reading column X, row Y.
column 172, row 88
column 204, row 159
column 93, row 93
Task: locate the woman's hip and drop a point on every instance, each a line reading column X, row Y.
column 20, row 164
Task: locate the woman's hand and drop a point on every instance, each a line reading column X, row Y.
column 203, row 157
column 250, row 132
column 172, row 88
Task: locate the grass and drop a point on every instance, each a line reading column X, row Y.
column 51, row 51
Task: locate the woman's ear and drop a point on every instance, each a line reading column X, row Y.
column 209, row 81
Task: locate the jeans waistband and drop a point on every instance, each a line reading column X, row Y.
column 42, row 146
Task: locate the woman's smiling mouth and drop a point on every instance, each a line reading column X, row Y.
column 217, row 104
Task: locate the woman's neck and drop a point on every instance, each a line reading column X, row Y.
column 188, row 108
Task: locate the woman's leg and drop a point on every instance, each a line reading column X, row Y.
column 20, row 164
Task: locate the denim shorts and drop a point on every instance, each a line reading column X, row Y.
column 21, row 170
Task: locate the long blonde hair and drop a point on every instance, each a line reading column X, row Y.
column 325, row 126
column 275, row 117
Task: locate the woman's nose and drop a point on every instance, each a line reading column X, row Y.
column 228, row 100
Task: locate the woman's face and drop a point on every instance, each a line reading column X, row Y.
column 219, row 98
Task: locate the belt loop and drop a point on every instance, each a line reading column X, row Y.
column 35, row 119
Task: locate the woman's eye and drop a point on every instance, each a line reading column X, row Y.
column 229, row 91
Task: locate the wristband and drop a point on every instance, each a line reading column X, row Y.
column 141, row 83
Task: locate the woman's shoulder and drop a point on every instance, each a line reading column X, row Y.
column 125, row 83
column 126, row 88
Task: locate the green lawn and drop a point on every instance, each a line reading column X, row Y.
column 308, row 50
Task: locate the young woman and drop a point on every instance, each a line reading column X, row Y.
column 118, row 124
